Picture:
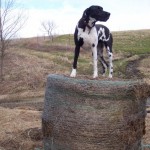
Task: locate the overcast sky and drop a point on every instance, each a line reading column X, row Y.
column 125, row 14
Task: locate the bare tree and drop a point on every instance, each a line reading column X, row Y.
column 49, row 27
column 12, row 20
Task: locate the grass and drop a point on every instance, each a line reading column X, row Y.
column 144, row 67
column 18, row 129
column 132, row 42
column 67, row 38
column 120, row 68
column 29, row 61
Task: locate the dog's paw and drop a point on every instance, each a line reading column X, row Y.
column 104, row 75
column 110, row 76
column 73, row 73
column 95, row 75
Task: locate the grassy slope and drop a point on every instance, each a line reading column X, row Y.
column 135, row 45
column 133, row 42
column 29, row 61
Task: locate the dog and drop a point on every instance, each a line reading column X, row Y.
column 88, row 34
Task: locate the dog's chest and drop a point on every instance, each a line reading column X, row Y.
column 89, row 37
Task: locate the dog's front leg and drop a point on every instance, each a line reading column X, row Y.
column 95, row 73
column 76, row 55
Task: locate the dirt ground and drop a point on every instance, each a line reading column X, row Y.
column 20, row 125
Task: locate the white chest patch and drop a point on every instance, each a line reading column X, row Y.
column 90, row 37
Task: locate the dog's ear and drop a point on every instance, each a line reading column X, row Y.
column 86, row 13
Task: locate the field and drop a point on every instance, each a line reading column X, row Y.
column 29, row 61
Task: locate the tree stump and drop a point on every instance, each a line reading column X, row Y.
column 83, row 114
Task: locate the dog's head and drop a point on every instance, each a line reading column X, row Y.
column 97, row 13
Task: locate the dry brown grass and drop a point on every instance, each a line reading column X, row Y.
column 20, row 129
column 144, row 66
column 27, row 70
column 146, row 138
column 29, row 61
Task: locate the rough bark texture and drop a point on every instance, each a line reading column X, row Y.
column 81, row 114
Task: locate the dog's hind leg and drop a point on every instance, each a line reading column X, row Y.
column 110, row 55
column 101, row 58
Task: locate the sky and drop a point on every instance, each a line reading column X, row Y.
column 125, row 15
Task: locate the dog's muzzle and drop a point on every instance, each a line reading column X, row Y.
column 107, row 15
column 104, row 16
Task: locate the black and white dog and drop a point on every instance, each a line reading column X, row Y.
column 90, row 35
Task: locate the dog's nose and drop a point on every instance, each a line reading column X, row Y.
column 108, row 14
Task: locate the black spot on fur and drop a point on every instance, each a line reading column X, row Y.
column 93, row 45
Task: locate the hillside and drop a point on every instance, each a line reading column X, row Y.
column 133, row 42
column 29, row 61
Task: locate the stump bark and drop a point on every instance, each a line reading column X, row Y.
column 83, row 114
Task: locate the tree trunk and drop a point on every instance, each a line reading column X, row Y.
column 2, row 67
